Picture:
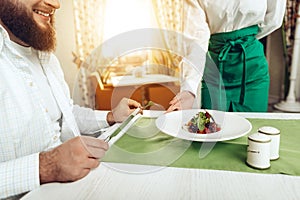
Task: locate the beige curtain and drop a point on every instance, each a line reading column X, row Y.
column 89, row 24
column 169, row 15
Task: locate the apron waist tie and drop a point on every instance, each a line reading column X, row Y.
column 222, row 57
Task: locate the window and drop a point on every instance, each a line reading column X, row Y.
column 122, row 16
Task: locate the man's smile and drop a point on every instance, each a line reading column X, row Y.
column 43, row 13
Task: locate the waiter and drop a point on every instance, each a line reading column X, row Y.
column 236, row 76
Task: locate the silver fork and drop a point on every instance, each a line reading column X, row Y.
column 151, row 103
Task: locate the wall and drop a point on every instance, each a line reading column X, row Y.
column 276, row 66
column 66, row 41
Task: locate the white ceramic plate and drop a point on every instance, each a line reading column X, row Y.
column 153, row 113
column 232, row 125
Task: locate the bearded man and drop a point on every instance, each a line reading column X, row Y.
column 40, row 128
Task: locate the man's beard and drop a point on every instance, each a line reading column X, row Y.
column 16, row 17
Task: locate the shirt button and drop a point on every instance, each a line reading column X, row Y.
column 55, row 137
column 46, row 110
column 30, row 84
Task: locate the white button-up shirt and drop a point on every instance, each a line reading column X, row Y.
column 26, row 127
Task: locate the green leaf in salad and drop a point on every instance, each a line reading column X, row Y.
column 201, row 123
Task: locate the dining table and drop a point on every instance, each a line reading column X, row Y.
column 147, row 163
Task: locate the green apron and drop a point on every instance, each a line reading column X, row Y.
column 236, row 76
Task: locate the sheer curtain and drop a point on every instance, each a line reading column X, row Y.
column 169, row 16
column 89, row 24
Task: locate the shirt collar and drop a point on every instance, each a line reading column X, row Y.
column 3, row 36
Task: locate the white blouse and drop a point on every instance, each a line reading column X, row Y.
column 230, row 15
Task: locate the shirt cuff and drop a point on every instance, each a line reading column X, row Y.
column 19, row 175
column 101, row 117
column 191, row 86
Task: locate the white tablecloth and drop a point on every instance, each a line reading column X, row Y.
column 128, row 181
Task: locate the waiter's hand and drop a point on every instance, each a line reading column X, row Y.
column 183, row 100
column 71, row 160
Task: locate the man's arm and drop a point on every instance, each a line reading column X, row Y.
column 71, row 160
column 89, row 120
column 273, row 19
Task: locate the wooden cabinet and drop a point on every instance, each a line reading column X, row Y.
column 109, row 97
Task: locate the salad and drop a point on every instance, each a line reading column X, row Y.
column 202, row 123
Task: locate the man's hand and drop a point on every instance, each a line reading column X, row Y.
column 71, row 160
column 183, row 100
column 122, row 110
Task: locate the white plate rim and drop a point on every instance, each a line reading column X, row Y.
column 244, row 125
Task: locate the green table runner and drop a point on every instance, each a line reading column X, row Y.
column 145, row 144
